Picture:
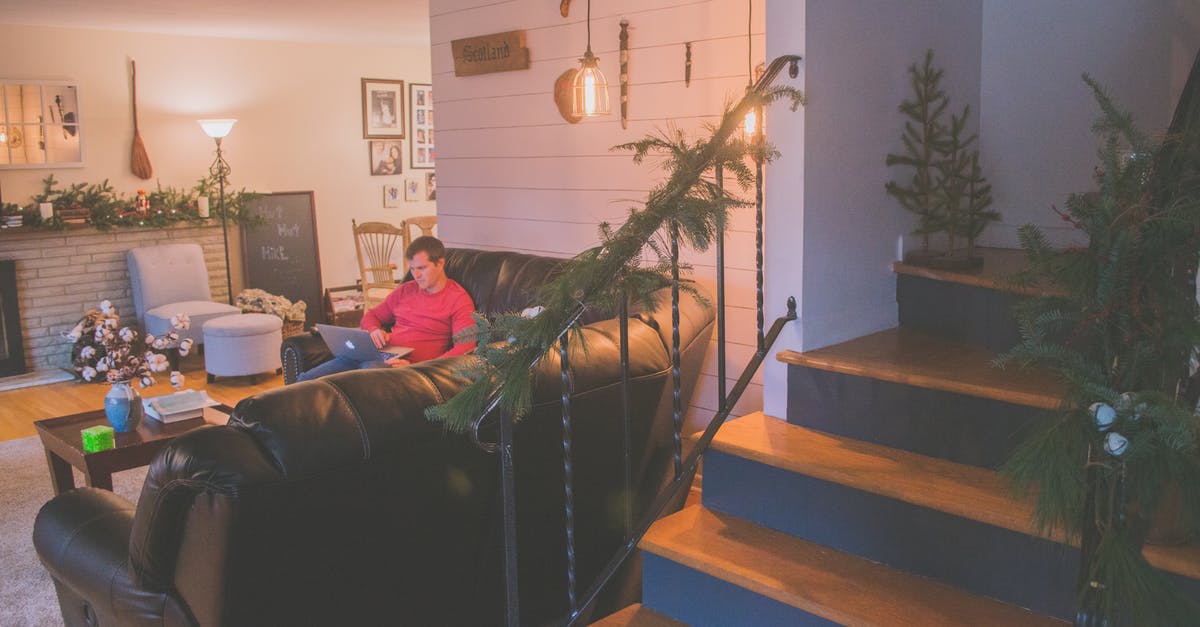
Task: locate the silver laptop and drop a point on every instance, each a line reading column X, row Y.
column 355, row 344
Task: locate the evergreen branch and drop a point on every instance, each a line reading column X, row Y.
column 687, row 203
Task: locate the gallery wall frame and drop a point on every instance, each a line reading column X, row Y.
column 387, row 156
column 420, row 123
column 383, row 108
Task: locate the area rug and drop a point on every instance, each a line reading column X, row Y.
column 37, row 377
column 26, row 593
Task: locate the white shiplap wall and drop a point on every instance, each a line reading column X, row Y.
column 513, row 175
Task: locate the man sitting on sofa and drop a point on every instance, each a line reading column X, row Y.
column 424, row 313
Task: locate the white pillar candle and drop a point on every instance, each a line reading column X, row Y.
column 46, row 209
column 202, row 206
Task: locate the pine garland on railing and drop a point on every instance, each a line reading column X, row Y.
column 598, row 277
column 1121, row 334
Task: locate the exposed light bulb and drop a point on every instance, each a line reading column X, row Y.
column 589, row 93
column 751, row 124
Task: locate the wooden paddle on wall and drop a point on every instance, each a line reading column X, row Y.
column 139, row 160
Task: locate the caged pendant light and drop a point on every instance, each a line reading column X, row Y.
column 591, row 87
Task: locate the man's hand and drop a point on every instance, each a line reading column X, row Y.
column 380, row 337
column 398, row 362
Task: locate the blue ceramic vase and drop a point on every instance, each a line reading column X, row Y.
column 123, row 407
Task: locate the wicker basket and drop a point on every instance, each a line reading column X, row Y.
column 292, row 327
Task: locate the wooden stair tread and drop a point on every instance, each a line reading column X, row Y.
column 965, row 491
column 638, row 615
column 998, row 265
column 842, row 588
column 913, row 358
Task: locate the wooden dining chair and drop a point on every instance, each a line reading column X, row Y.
column 424, row 224
column 375, row 243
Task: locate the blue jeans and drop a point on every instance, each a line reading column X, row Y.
column 342, row 364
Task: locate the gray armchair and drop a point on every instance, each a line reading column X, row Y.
column 169, row 280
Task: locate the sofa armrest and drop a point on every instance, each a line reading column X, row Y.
column 302, row 352
column 82, row 538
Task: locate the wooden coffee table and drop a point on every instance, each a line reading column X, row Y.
column 64, row 445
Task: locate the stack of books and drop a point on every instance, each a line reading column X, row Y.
column 13, row 221
column 182, row 405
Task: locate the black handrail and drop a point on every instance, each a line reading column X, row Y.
column 671, row 492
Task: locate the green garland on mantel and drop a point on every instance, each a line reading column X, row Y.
column 107, row 209
column 689, row 201
column 1123, row 334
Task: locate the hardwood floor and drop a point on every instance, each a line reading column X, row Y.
column 19, row 408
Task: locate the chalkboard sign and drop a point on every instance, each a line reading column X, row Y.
column 281, row 254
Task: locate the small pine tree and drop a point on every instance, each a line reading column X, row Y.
column 965, row 193
column 947, row 191
column 924, row 140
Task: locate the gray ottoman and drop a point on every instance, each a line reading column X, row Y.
column 242, row 344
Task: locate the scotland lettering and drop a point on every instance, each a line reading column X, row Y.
column 500, row 52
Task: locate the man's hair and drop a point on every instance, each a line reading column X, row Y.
column 428, row 244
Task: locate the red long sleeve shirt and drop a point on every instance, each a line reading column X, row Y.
column 425, row 322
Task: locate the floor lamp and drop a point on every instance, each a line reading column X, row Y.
column 218, row 129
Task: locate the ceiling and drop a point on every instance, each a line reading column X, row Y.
column 370, row 22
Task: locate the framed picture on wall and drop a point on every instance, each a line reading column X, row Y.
column 391, row 196
column 386, row 156
column 420, row 120
column 383, row 108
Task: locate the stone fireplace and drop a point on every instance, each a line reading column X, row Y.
column 59, row 275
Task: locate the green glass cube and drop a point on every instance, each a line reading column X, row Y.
column 97, row 438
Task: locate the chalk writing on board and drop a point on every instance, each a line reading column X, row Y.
column 281, row 254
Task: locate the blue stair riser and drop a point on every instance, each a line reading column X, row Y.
column 701, row 600
column 956, row 427
column 986, row 560
column 965, row 314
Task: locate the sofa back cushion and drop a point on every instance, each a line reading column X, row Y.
column 499, row 281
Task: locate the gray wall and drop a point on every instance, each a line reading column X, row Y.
column 828, row 214
column 1017, row 62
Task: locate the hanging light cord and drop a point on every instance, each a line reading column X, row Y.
column 749, row 41
column 589, row 27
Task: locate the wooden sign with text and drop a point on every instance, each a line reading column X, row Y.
column 501, row 52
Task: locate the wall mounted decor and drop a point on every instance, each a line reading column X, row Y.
column 391, row 196
column 499, row 52
column 430, row 187
column 420, row 123
column 687, row 64
column 412, row 190
column 40, row 125
column 564, row 8
column 624, row 77
column 387, row 156
column 564, row 89
column 383, row 108
column 139, row 161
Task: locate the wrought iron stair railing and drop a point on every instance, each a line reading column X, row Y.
column 498, row 422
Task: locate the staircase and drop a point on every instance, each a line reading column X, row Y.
column 876, row 502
